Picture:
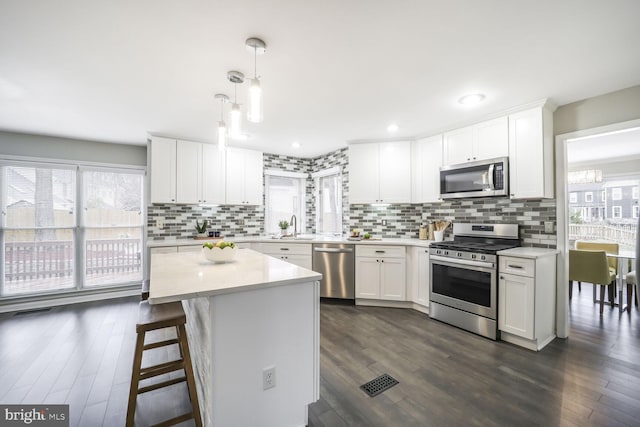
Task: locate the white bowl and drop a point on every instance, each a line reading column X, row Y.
column 220, row 255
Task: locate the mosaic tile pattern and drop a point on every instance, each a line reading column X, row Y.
column 404, row 220
column 179, row 220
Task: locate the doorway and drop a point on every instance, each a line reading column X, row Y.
column 588, row 163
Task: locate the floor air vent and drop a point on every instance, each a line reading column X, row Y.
column 37, row 310
column 380, row 384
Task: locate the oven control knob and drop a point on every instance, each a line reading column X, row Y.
column 446, row 252
column 459, row 254
column 438, row 251
column 473, row 256
column 482, row 257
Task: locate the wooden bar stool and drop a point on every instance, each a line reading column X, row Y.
column 152, row 317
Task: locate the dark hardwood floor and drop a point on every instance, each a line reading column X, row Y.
column 82, row 355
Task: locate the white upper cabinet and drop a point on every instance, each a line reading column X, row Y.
column 186, row 172
column 531, row 154
column 486, row 140
column 458, row 146
column 426, row 162
column 213, row 174
column 244, row 177
column 162, row 170
column 380, row 172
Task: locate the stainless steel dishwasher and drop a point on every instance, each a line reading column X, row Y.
column 336, row 262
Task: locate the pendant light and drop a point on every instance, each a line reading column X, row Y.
column 222, row 127
column 235, row 131
column 255, row 113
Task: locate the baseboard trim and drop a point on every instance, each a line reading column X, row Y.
column 392, row 304
column 68, row 299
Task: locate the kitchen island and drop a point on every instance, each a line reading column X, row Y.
column 253, row 314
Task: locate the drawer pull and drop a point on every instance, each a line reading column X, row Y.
column 515, row 266
column 379, row 252
column 284, row 249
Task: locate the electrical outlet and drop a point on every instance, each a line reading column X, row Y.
column 268, row 377
column 160, row 223
column 548, row 226
column 384, row 222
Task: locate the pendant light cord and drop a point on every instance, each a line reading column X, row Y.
column 255, row 62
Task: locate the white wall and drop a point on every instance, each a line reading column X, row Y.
column 48, row 147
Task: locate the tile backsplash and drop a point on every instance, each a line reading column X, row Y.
column 402, row 220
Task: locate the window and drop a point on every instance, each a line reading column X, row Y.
column 636, row 211
column 573, row 197
column 113, row 227
column 616, row 212
column 603, row 196
column 616, row 193
column 328, row 201
column 588, row 196
column 50, row 244
column 634, row 192
column 284, row 197
column 39, row 229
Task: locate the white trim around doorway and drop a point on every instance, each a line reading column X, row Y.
column 562, row 306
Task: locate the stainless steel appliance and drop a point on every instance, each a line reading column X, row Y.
column 464, row 284
column 336, row 262
column 485, row 178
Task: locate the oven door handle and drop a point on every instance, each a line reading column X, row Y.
column 453, row 262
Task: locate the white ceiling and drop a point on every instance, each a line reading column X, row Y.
column 334, row 70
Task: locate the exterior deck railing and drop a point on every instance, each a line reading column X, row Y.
column 623, row 234
column 27, row 261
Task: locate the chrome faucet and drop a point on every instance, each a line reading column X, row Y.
column 294, row 224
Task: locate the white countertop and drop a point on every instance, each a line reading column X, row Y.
column 526, row 252
column 179, row 276
column 317, row 239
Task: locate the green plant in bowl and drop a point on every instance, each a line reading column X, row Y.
column 202, row 228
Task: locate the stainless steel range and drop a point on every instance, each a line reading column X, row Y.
column 464, row 276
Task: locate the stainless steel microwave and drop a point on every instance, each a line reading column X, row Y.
column 484, row 178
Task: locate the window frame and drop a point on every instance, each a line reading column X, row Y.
column 613, row 212
column 301, row 219
column 635, row 211
column 317, row 176
column 616, row 193
column 78, row 228
column 588, row 196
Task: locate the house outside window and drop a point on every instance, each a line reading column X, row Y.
column 616, row 212
column 616, row 193
column 634, row 192
column 604, row 196
column 573, row 197
column 636, row 211
column 588, row 196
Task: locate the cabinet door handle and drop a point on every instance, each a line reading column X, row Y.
column 515, row 266
column 284, row 249
column 501, row 277
column 381, row 260
column 379, row 252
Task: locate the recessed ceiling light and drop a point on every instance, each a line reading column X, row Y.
column 295, row 144
column 392, row 127
column 472, row 99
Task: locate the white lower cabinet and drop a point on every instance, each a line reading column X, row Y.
column 526, row 299
column 381, row 272
column 295, row 253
